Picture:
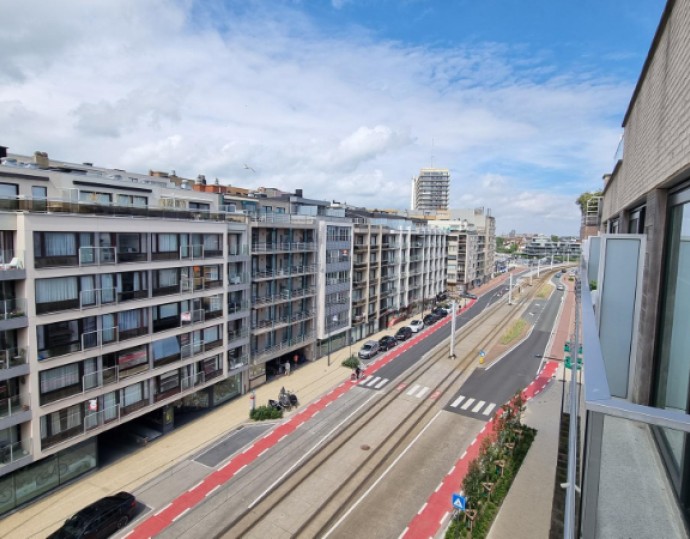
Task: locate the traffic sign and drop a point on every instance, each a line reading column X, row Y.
column 482, row 353
column 459, row 502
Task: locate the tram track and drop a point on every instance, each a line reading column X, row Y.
column 324, row 516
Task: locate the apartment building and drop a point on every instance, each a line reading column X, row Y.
column 431, row 190
column 399, row 266
column 124, row 297
column 471, row 246
column 636, row 384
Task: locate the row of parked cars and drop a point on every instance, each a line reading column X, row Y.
column 385, row 343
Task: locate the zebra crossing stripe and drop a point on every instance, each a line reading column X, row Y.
column 457, row 401
column 478, row 407
column 383, row 382
column 372, row 382
column 413, row 390
column 489, row 409
column 467, row 404
column 422, row 392
column 366, row 380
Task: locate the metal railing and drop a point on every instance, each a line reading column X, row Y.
column 12, row 308
column 11, row 452
column 13, row 357
column 11, row 260
column 12, row 405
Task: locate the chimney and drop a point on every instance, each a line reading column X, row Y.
column 3, row 151
column 298, row 192
column 201, row 179
column 41, row 159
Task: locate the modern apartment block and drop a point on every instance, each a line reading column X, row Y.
column 399, row 266
column 636, row 385
column 130, row 300
column 471, row 247
column 431, row 189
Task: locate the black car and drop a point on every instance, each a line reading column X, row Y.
column 387, row 342
column 100, row 519
column 440, row 312
column 430, row 319
column 468, row 295
column 403, row 333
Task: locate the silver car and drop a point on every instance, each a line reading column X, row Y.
column 369, row 350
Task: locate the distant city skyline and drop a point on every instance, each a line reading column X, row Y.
column 521, row 101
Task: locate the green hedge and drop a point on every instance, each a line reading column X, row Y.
column 262, row 413
column 484, row 470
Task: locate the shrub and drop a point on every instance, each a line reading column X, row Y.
column 262, row 413
column 351, row 362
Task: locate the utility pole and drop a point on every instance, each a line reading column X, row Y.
column 510, row 290
column 452, row 329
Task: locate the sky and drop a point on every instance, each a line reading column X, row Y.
column 522, row 100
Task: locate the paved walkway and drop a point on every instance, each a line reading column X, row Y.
column 309, row 382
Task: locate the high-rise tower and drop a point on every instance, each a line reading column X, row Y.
column 430, row 190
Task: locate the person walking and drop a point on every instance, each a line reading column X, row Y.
column 287, row 368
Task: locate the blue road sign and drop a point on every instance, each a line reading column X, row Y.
column 482, row 353
column 459, row 502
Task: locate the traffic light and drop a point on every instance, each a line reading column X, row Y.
column 566, row 346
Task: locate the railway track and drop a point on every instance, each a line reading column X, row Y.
column 323, row 517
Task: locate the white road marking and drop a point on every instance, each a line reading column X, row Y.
column 422, row 392
column 467, row 404
column 367, row 379
column 489, row 409
column 457, row 401
column 478, row 407
column 161, row 510
column 373, row 381
column 413, row 390
column 383, row 475
column 381, row 383
column 182, row 514
column 212, row 491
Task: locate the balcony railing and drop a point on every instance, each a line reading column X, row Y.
column 101, row 417
column 97, row 297
column 237, row 306
column 12, row 308
column 286, row 295
column 283, row 346
column 270, row 273
column 99, row 338
column 264, row 247
column 12, row 405
column 13, row 357
column 238, row 362
column 11, row 260
column 236, row 335
column 11, row 452
column 199, row 347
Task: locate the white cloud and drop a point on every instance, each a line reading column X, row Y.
column 198, row 88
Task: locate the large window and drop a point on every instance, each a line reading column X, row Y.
column 673, row 375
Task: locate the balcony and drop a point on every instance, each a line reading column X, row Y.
column 283, row 347
column 13, row 357
column 281, row 247
column 12, row 265
column 235, row 307
column 13, row 313
column 261, row 326
column 270, row 273
column 12, row 405
column 11, row 452
column 199, row 347
column 237, row 335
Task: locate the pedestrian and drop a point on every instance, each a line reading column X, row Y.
column 358, row 372
column 287, row 368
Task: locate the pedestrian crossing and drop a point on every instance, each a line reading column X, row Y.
column 463, row 403
column 374, row 382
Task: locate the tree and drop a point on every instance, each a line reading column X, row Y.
column 584, row 198
column 554, row 238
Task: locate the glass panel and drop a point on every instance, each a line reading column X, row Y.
column 674, row 364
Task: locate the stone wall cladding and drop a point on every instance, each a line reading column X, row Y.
column 657, row 133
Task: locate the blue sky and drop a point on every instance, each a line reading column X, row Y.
column 521, row 99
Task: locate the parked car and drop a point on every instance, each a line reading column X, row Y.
column 416, row 326
column 441, row 312
column 403, row 333
column 100, row 519
column 560, row 287
column 368, row 350
column 387, row 342
column 468, row 295
column 430, row 319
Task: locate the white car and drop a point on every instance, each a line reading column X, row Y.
column 416, row 326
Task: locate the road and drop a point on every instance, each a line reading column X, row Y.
column 386, row 508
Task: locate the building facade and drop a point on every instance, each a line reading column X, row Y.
column 640, row 265
column 431, row 190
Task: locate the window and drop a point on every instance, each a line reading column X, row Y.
column 95, row 197
column 166, row 350
column 60, row 382
column 673, row 372
column 9, row 190
column 133, row 201
column 58, row 338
